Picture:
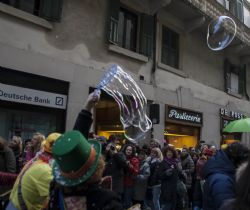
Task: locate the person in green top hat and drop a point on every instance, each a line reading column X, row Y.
column 77, row 169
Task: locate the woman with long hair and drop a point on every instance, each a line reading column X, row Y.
column 154, row 183
column 168, row 173
column 131, row 173
column 34, row 146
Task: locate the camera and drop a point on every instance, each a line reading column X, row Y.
column 112, row 147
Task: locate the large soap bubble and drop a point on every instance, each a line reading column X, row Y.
column 220, row 33
column 131, row 100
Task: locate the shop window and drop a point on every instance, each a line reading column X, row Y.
column 129, row 29
column 236, row 7
column 181, row 136
column 235, row 78
column 170, row 47
column 231, row 138
column 47, row 9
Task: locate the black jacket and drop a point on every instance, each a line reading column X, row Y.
column 169, row 178
column 115, row 166
column 154, row 174
column 83, row 122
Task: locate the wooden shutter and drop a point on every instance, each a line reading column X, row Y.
column 146, row 34
column 242, row 80
column 227, row 75
column 51, row 9
column 113, row 20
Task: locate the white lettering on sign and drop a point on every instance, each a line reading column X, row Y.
column 232, row 114
column 31, row 96
column 184, row 116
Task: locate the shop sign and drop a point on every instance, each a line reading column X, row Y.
column 229, row 116
column 31, row 96
column 184, row 115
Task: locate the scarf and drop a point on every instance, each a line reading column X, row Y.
column 171, row 161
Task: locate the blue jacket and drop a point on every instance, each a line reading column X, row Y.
column 219, row 174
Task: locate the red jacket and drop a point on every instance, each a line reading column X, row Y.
column 131, row 172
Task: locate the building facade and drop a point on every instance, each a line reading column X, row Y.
column 54, row 54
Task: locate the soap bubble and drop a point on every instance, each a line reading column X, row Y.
column 220, row 33
column 131, row 100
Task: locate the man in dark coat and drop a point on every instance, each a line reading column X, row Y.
column 219, row 173
column 7, row 162
column 115, row 166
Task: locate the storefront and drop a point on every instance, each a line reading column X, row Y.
column 227, row 116
column 30, row 103
column 182, row 127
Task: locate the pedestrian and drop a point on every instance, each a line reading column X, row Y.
column 31, row 189
column 7, row 158
column 7, row 163
column 154, row 182
column 242, row 199
column 141, row 180
column 219, row 173
column 169, row 170
column 34, row 146
column 115, row 166
column 188, row 169
column 77, row 170
column 131, row 173
column 199, row 179
column 17, row 148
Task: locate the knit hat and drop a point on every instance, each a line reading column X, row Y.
column 49, row 141
column 76, row 159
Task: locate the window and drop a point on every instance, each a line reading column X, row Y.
column 127, row 29
column 236, row 7
column 170, row 47
column 47, row 9
column 130, row 30
column 235, row 78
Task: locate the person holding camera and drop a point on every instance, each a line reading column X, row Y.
column 115, row 165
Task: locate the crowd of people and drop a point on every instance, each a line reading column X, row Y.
column 70, row 171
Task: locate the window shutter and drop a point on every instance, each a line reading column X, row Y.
column 146, row 34
column 227, row 75
column 242, row 80
column 51, row 9
column 113, row 20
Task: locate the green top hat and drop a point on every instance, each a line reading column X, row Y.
column 76, row 159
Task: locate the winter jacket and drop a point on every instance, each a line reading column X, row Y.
column 115, row 166
column 219, row 173
column 169, row 178
column 188, row 169
column 140, row 186
column 7, row 160
column 131, row 172
column 83, row 122
column 154, row 173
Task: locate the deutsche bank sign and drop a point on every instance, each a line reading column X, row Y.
column 31, row 96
